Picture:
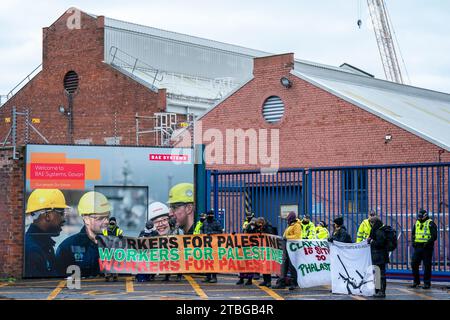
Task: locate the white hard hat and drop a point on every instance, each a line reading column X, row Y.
column 157, row 209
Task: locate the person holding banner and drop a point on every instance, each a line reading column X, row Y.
column 340, row 232
column 380, row 253
column 263, row 226
column 211, row 226
column 250, row 228
column 112, row 230
column 322, row 231
column 292, row 232
column 149, row 231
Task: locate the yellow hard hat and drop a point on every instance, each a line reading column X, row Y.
column 46, row 199
column 93, row 202
column 182, row 192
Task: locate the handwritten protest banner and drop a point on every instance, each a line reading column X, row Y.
column 219, row 253
column 311, row 259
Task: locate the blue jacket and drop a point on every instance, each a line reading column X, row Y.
column 78, row 250
column 40, row 260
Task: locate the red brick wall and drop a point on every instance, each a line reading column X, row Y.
column 11, row 215
column 318, row 128
column 106, row 101
column 104, row 106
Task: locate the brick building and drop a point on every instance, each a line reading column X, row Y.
column 108, row 71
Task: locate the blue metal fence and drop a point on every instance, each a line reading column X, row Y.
column 395, row 192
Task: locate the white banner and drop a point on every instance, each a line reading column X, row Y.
column 311, row 259
column 352, row 270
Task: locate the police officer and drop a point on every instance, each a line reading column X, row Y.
column 81, row 249
column 322, row 231
column 424, row 234
column 248, row 217
column 365, row 227
column 198, row 226
column 112, row 230
column 46, row 207
column 308, row 228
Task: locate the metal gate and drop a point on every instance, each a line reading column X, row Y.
column 395, row 192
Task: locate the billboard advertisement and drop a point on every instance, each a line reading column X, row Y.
column 71, row 192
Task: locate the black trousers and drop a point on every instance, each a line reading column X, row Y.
column 287, row 266
column 425, row 255
column 382, row 279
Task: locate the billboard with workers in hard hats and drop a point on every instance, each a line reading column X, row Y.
column 72, row 192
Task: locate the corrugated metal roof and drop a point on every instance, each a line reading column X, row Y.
column 423, row 112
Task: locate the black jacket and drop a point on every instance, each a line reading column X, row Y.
column 40, row 259
column 211, row 227
column 341, row 235
column 268, row 229
column 378, row 244
column 433, row 231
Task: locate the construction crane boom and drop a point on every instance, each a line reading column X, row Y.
column 385, row 42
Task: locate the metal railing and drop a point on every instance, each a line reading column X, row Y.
column 395, row 192
column 121, row 59
column 20, row 85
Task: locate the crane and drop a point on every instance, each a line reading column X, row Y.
column 383, row 34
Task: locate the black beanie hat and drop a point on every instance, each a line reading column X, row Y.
column 339, row 221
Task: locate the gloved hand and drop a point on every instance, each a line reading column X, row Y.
column 369, row 240
column 330, row 240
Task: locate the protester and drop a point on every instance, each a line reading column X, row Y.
column 263, row 226
column 340, row 232
column 379, row 249
column 112, row 230
column 292, row 232
column 251, row 227
column 149, row 231
column 211, row 226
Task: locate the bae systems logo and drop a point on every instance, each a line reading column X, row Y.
column 169, row 157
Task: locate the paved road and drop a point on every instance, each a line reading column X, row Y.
column 191, row 288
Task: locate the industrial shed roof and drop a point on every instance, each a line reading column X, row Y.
column 210, row 71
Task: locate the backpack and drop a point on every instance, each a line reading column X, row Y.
column 391, row 238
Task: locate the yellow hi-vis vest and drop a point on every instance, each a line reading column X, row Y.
column 322, row 233
column 198, row 227
column 363, row 230
column 308, row 231
column 244, row 225
column 118, row 232
column 423, row 232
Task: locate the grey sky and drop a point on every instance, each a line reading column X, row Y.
column 322, row 31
